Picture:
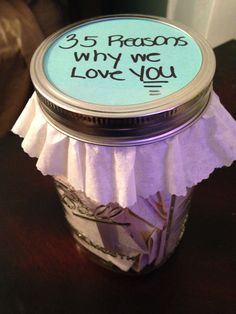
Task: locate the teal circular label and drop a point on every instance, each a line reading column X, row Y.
column 122, row 61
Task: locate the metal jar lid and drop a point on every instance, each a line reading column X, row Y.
column 123, row 80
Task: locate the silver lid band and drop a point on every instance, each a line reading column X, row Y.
column 126, row 131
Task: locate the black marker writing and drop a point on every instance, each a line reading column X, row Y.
column 153, row 73
column 96, row 56
column 111, row 59
column 80, row 56
column 72, row 41
column 121, row 41
column 152, row 57
column 94, row 73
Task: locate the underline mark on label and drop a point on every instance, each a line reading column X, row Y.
column 155, row 82
column 152, row 86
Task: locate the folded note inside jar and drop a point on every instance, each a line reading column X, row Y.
column 120, row 237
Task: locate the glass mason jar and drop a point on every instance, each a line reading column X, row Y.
column 121, row 81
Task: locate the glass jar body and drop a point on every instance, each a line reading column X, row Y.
column 132, row 240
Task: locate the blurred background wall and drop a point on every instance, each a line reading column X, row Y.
column 89, row 8
column 214, row 19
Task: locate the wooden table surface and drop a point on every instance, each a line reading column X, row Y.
column 42, row 272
